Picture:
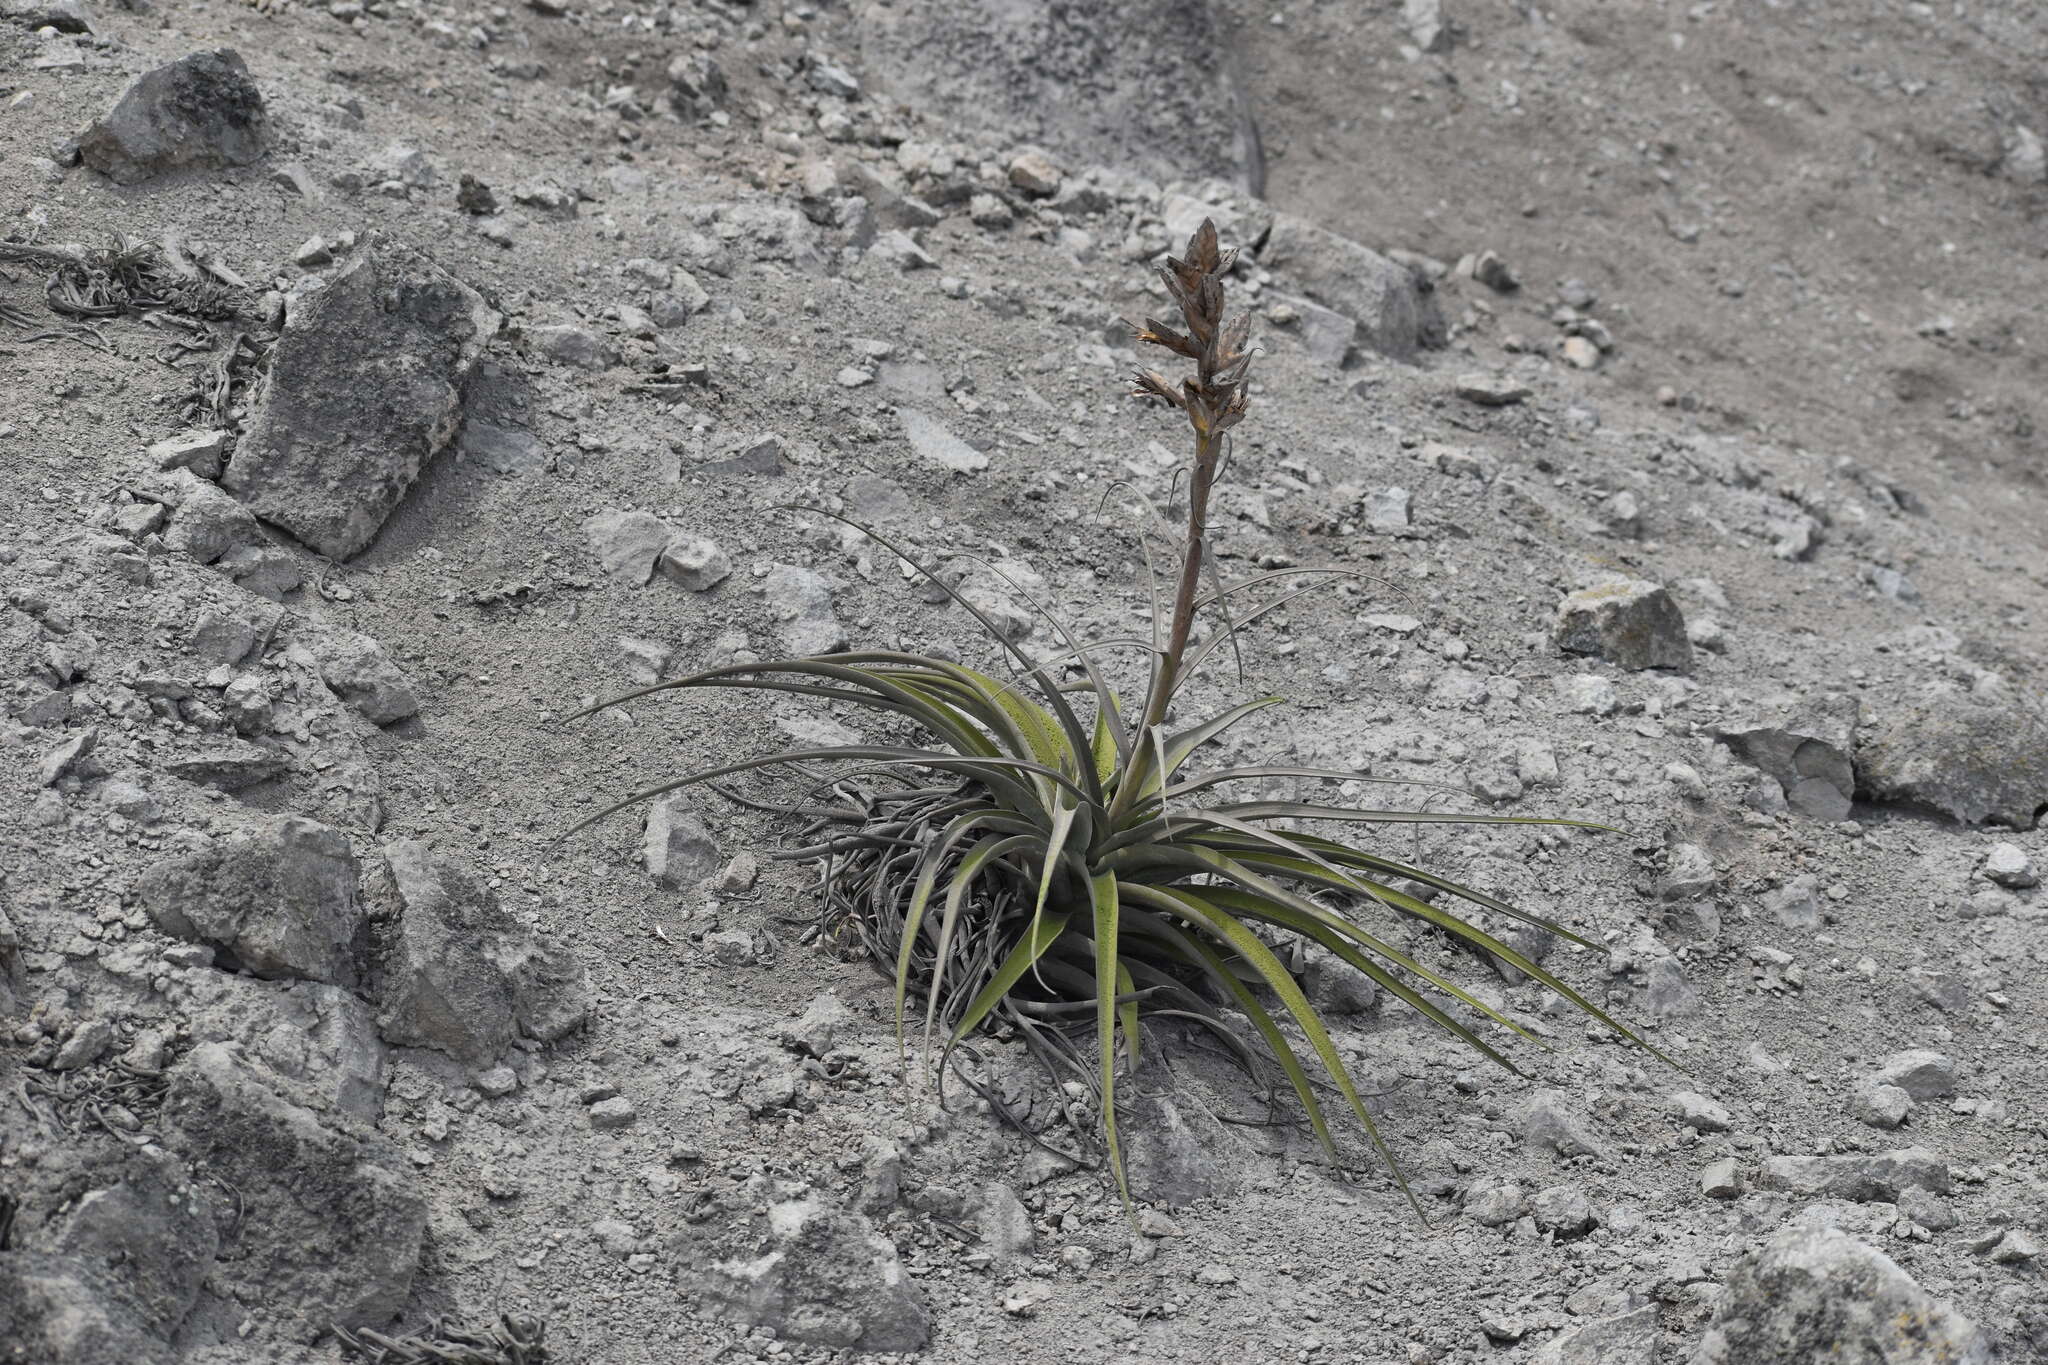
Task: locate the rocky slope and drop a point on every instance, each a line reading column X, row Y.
column 443, row 370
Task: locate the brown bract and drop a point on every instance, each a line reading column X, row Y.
column 1214, row 399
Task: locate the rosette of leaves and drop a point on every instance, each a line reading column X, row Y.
column 1046, row 859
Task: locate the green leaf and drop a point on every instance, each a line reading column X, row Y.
column 1102, row 900
column 957, row 891
column 1230, row 930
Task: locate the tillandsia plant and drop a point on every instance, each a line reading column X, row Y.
column 1048, row 861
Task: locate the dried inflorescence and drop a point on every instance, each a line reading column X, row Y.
column 1215, row 398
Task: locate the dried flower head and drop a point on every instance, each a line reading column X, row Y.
column 1214, row 399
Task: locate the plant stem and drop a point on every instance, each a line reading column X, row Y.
column 1208, row 446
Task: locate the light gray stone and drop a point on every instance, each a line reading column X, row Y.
column 365, row 387
column 1974, row 762
column 1627, row 1339
column 460, row 974
column 1819, row 1294
column 1697, row 1112
column 281, row 897
column 695, row 563
column 817, row 1275
column 1395, row 309
column 1547, row 1120
column 679, row 848
column 1564, row 1210
column 357, row 670
column 801, row 602
column 1921, row 1072
column 331, row 1216
column 1810, row 751
column 628, row 544
column 1856, row 1176
column 1879, row 1106
column 2009, row 866
column 931, row 440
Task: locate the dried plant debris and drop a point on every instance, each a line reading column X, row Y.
column 131, row 276
column 117, row 1098
column 515, row 1339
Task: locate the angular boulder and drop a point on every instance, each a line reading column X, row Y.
column 1814, row 1294
column 679, row 847
column 1629, row 623
column 331, row 1213
column 1880, row 1176
column 1395, row 309
column 1809, row 750
column 461, row 974
column 365, row 387
column 200, row 112
column 152, row 1233
column 357, row 670
column 1625, row 1339
column 281, row 898
column 819, row 1275
column 1965, row 759
column 62, row 1310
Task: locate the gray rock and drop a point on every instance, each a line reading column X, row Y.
column 628, row 544
column 90, row 1041
column 801, row 602
column 1927, row 1210
column 817, row 1275
column 321, row 1038
column 613, row 1113
column 281, row 898
column 1796, row 904
column 202, row 452
column 331, row 1214
column 1857, row 1177
column 201, row 112
column 1326, row 333
column 1395, row 309
column 1699, row 1113
column 1335, row 987
column 206, row 523
column 1923, row 1074
column 1809, row 751
column 357, row 670
column 1175, row 1156
column 1386, row 511
column 1547, row 1120
column 229, row 765
column 1819, row 1294
column 1627, row 1339
column 1977, row 763
column 567, row 344
column 1426, row 25
column 461, row 974
column 1629, row 623
column 1496, row 1206
column 365, row 387
column 67, row 757
column 63, row 1310
column 1490, row 390
column 679, row 847
column 2009, row 866
column 1564, row 1210
column 1688, row 873
column 931, row 440
column 505, row 450
column 694, row 563
column 152, row 1233
column 1879, row 1106
column 1721, row 1179
column 1005, row 1224
column 823, row 1020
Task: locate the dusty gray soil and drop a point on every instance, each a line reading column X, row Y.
column 1812, row 242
